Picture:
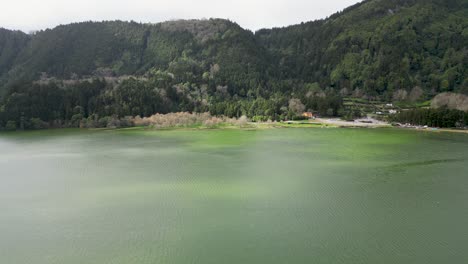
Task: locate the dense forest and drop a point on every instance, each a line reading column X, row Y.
column 442, row 117
column 392, row 50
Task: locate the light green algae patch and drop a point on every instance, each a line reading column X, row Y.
column 302, row 195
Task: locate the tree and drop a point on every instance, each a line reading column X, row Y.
column 10, row 125
column 296, row 106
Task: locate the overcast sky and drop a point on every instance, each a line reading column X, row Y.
column 30, row 15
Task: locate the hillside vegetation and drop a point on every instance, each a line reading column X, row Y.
column 451, row 101
column 393, row 50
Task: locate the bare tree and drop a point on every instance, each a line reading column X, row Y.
column 296, row 106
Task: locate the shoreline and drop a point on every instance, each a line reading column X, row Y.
column 318, row 123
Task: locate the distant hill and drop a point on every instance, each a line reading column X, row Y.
column 118, row 48
column 378, row 47
column 11, row 44
column 390, row 50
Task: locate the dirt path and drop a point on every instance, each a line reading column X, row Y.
column 368, row 122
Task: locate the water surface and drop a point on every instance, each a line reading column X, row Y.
column 232, row 196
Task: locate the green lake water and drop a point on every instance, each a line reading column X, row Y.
column 233, row 196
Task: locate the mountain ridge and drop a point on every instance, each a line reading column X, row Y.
column 396, row 50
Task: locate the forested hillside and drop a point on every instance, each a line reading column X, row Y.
column 103, row 49
column 11, row 44
column 389, row 50
column 379, row 48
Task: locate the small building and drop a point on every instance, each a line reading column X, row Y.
column 308, row 115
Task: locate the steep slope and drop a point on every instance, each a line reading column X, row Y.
column 11, row 44
column 378, row 47
column 121, row 48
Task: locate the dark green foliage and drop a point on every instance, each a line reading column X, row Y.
column 10, row 126
column 395, row 50
column 433, row 118
column 11, row 44
column 378, row 47
column 352, row 114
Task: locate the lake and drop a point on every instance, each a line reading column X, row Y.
column 233, row 196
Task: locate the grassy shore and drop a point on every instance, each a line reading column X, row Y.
column 319, row 123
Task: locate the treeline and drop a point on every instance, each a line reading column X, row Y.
column 433, row 118
column 159, row 121
column 97, row 103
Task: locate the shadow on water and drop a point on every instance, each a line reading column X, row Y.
column 385, row 173
column 423, row 163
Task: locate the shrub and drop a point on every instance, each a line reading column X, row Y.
column 300, row 118
column 103, row 121
column 10, row 126
column 76, row 120
column 37, row 123
column 184, row 119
